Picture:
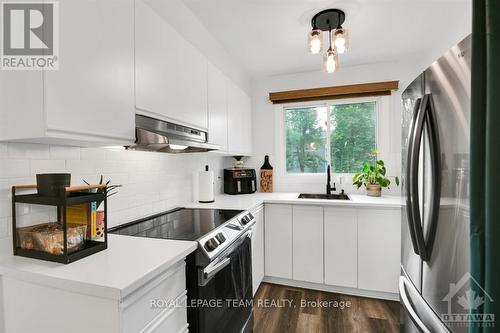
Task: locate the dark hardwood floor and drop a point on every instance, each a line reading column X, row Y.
column 280, row 309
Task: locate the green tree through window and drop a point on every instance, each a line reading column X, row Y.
column 305, row 140
column 350, row 134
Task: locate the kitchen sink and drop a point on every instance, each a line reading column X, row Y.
column 341, row 196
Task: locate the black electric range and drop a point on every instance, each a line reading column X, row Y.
column 181, row 224
column 219, row 270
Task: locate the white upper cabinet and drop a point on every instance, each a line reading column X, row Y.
column 217, row 107
column 193, row 86
column 171, row 74
column 239, row 121
column 90, row 98
column 156, row 47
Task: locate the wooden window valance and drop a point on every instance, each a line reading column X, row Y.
column 338, row 92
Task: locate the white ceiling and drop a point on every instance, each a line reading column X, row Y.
column 268, row 37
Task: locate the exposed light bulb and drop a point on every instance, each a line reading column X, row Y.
column 315, row 41
column 340, row 40
column 330, row 61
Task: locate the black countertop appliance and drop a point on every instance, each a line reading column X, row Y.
column 240, row 181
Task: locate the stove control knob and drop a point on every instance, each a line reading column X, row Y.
column 220, row 237
column 211, row 244
column 247, row 218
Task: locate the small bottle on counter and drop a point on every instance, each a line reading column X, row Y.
column 266, row 176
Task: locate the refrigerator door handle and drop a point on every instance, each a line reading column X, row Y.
column 420, row 313
column 425, row 118
column 408, row 185
column 435, row 154
column 413, row 195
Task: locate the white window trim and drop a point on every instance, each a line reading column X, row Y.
column 381, row 103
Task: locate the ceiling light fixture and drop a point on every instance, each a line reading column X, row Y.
column 315, row 41
column 330, row 20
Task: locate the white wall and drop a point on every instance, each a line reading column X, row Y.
column 182, row 19
column 265, row 137
column 152, row 182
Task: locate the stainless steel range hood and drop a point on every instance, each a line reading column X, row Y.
column 161, row 136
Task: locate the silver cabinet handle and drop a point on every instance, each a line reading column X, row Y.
column 417, row 304
column 208, row 273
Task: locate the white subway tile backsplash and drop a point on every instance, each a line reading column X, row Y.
column 28, row 151
column 152, row 182
column 3, row 150
column 81, row 166
column 47, row 166
column 5, row 227
column 64, row 153
column 12, row 168
column 92, row 153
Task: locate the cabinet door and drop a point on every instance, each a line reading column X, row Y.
column 193, row 86
column 92, row 93
column 341, row 248
column 157, row 86
column 239, row 120
column 308, row 243
column 278, row 241
column 217, row 107
column 258, row 248
column 379, row 249
column 246, row 109
column 21, row 105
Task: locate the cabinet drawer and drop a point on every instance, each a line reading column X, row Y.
column 137, row 309
column 170, row 320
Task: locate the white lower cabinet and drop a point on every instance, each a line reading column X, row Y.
column 379, row 247
column 78, row 312
column 307, row 238
column 278, row 241
column 258, row 248
column 341, row 247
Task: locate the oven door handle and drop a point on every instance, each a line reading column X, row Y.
column 247, row 234
column 209, row 272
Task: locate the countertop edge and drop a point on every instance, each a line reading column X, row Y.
column 117, row 293
column 157, row 271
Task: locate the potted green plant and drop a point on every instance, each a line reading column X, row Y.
column 373, row 176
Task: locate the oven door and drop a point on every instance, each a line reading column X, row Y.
column 223, row 295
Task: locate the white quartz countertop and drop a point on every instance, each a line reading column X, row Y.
column 250, row 201
column 127, row 264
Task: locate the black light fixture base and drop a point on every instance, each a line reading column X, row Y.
column 328, row 19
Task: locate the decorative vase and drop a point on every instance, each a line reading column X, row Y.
column 373, row 190
column 266, row 176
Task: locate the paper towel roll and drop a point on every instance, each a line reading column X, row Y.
column 206, row 186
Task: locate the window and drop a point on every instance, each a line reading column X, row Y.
column 342, row 135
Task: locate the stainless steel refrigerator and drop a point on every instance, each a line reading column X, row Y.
column 435, row 283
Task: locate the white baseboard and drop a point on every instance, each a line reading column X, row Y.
column 333, row 289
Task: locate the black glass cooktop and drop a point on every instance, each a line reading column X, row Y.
column 182, row 224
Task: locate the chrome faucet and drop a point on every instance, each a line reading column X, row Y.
column 329, row 188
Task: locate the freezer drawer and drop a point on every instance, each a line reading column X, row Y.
column 423, row 319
